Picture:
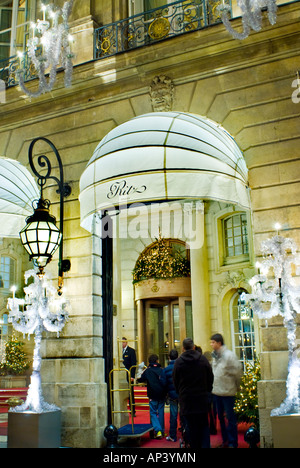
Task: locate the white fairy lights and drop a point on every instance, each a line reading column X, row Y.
column 278, row 295
column 41, row 310
column 48, row 48
column 251, row 15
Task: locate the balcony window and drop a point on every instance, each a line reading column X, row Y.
column 15, row 17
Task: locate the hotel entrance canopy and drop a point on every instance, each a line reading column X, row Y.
column 17, row 192
column 163, row 156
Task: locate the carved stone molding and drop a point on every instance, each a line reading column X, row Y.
column 162, row 94
column 233, row 279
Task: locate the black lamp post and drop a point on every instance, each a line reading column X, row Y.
column 41, row 237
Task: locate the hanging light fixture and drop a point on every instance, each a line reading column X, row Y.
column 49, row 48
column 41, row 237
column 251, row 15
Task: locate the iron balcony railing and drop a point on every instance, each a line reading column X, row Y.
column 155, row 25
column 10, row 66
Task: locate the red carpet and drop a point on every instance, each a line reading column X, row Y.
column 215, row 440
column 143, row 417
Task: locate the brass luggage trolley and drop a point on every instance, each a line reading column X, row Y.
column 129, row 430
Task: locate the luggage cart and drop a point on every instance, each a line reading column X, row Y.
column 129, row 430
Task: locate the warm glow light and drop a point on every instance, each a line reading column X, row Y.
column 277, row 227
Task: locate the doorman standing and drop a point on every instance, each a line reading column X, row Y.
column 129, row 360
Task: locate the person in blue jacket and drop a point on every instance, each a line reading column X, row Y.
column 166, row 379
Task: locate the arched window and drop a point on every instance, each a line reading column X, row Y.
column 243, row 333
column 7, row 272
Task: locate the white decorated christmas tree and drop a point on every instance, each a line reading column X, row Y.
column 275, row 293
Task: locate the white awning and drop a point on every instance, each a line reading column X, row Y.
column 18, row 190
column 163, row 156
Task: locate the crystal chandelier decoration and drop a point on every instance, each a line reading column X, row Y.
column 49, row 48
column 280, row 296
column 41, row 310
column 251, row 15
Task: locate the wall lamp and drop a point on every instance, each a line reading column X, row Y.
column 41, row 237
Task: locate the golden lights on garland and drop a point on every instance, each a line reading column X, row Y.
column 161, row 261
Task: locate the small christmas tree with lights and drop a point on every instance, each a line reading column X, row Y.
column 246, row 403
column 15, row 362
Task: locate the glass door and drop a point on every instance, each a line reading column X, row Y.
column 182, row 321
column 157, row 339
column 175, row 320
column 166, row 324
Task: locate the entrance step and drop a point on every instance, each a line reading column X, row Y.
column 141, row 399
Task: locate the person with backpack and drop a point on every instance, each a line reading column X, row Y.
column 156, row 394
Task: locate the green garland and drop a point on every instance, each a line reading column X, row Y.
column 161, row 263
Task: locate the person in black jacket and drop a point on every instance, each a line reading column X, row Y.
column 129, row 360
column 166, row 379
column 193, row 381
column 156, row 394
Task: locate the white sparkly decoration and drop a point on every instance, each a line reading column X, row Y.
column 41, row 310
column 279, row 296
column 50, row 47
column 251, row 15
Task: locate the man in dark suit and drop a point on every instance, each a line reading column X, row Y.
column 129, row 360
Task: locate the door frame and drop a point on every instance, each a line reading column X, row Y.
column 162, row 301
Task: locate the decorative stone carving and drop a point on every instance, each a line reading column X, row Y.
column 162, row 94
column 232, row 278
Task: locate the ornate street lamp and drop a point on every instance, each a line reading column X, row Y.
column 41, row 237
column 40, row 310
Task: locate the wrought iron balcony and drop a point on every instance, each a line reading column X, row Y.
column 146, row 28
column 10, row 66
column 155, row 25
